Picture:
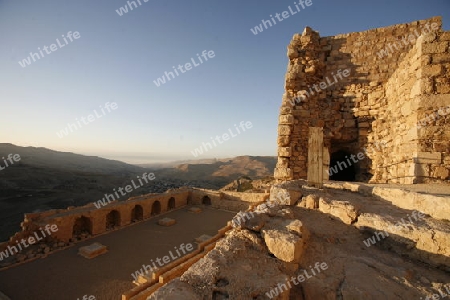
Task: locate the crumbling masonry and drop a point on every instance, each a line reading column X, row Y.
column 384, row 92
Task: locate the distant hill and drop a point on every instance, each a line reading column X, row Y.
column 43, row 157
column 220, row 172
column 46, row 179
column 174, row 164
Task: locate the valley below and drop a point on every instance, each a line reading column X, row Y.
column 45, row 179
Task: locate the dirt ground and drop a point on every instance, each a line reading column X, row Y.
column 67, row 275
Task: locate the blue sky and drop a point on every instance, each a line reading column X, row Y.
column 117, row 58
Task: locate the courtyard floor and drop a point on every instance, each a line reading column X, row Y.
column 67, row 275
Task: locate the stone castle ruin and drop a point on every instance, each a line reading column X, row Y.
column 368, row 106
column 383, row 92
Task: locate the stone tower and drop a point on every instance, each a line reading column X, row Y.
column 382, row 97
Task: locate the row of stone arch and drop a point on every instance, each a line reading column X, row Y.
column 113, row 218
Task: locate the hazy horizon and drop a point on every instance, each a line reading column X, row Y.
column 96, row 92
column 138, row 158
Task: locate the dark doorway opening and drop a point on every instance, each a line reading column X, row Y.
column 171, row 204
column 342, row 167
column 112, row 219
column 206, row 200
column 156, row 208
column 137, row 213
column 82, row 225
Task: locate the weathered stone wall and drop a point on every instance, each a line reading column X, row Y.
column 234, row 201
column 135, row 208
column 66, row 219
column 365, row 89
column 396, row 121
column 432, row 163
column 413, row 123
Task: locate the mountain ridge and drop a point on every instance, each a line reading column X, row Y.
column 46, row 179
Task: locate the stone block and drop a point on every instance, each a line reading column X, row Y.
column 284, row 151
column 203, row 238
column 441, row 173
column 428, row 157
column 286, row 119
column 445, row 36
column 434, row 101
column 284, row 130
column 342, row 210
column 285, row 194
column 292, row 53
column 295, row 226
column 284, row 245
column 432, row 70
column 375, row 96
column 195, row 210
column 283, row 141
column 310, row 201
column 440, row 58
column 167, row 222
column 283, row 173
column 441, row 146
column 282, row 162
column 440, row 47
column 443, row 88
column 250, row 220
column 92, row 250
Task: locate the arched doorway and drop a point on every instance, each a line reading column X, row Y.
column 156, row 208
column 206, row 200
column 112, row 219
column 137, row 213
column 82, row 225
column 342, row 167
column 171, row 203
